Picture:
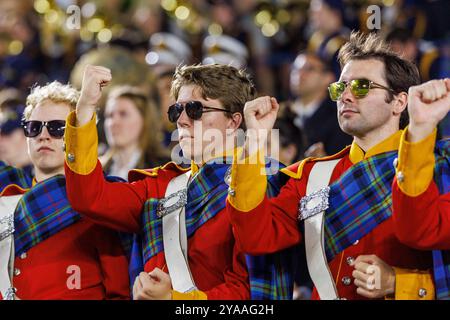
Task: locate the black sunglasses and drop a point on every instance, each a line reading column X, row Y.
column 194, row 110
column 33, row 128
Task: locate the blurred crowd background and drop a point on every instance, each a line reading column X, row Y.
column 288, row 46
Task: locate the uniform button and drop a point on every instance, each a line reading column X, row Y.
column 395, row 163
column 70, row 157
column 346, row 281
column 356, row 242
column 350, row 260
column 231, row 192
column 422, row 292
column 400, row 176
column 16, row 272
column 23, row 255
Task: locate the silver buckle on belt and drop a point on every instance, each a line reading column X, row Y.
column 314, row 203
column 171, row 203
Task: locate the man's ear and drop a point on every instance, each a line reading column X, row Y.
column 235, row 121
column 400, row 103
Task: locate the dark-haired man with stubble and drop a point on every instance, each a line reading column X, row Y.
column 187, row 246
column 343, row 201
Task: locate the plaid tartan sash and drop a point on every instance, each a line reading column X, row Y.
column 203, row 202
column 42, row 212
column 361, row 199
column 10, row 175
column 271, row 276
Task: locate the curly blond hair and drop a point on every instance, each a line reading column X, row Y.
column 55, row 92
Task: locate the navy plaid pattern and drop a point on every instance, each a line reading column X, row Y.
column 10, row 175
column 441, row 259
column 42, row 212
column 358, row 201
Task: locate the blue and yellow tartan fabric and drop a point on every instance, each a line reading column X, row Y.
column 10, row 175
column 42, row 212
column 270, row 276
column 361, row 199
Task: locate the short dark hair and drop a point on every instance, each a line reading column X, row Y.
column 399, row 73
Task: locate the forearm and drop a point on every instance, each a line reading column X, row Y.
column 422, row 222
column 87, row 190
column 260, row 225
column 265, row 229
column 420, row 215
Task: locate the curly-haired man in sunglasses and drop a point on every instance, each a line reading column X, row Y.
column 343, row 202
column 185, row 246
column 48, row 251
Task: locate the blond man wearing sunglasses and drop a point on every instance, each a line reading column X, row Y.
column 342, row 203
column 47, row 249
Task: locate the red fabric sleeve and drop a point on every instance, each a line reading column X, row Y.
column 422, row 222
column 113, row 263
column 236, row 284
column 272, row 225
column 115, row 205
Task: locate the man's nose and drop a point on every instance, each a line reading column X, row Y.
column 347, row 95
column 184, row 120
column 44, row 135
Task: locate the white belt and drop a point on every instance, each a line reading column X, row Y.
column 312, row 209
column 172, row 210
column 7, row 207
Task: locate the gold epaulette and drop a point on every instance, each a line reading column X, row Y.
column 12, row 189
column 139, row 174
column 295, row 170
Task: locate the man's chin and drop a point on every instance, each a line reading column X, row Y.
column 49, row 168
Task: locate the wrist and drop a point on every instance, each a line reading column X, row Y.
column 256, row 140
column 418, row 132
column 392, row 282
column 84, row 115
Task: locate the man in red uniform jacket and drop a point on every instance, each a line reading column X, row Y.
column 58, row 254
column 209, row 100
column 421, row 213
column 353, row 250
column 422, row 207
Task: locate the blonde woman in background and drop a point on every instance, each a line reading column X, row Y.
column 133, row 132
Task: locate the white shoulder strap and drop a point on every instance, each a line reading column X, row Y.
column 174, row 234
column 319, row 271
column 8, row 205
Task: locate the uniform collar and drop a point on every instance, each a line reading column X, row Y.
column 390, row 144
column 228, row 153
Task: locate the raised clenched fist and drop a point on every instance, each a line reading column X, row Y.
column 94, row 78
column 428, row 104
column 261, row 113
